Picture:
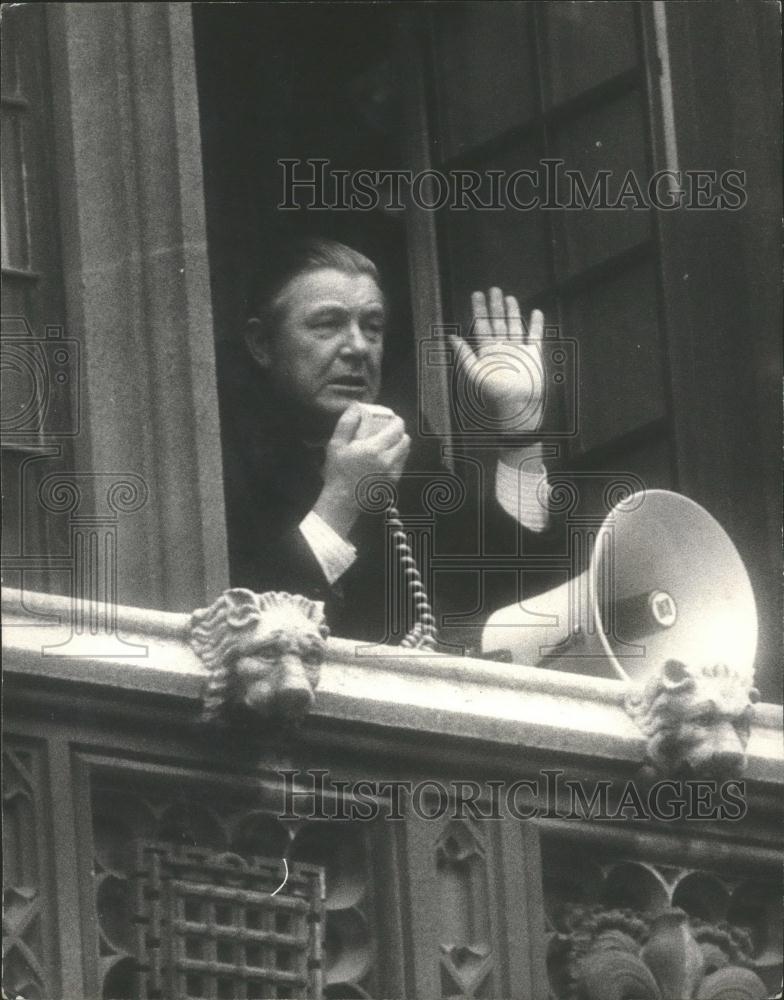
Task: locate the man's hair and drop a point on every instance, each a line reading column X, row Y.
column 297, row 257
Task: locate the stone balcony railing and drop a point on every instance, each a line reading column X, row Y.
column 107, row 754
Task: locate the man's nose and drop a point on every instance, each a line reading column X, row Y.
column 355, row 341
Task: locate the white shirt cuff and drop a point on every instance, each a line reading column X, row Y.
column 334, row 554
column 523, row 494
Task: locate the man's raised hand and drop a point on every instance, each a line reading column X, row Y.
column 503, row 377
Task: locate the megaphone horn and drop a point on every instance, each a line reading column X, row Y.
column 664, row 581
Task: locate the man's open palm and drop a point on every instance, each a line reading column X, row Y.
column 503, row 378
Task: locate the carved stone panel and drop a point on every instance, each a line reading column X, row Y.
column 184, row 872
column 471, row 907
column 621, row 927
column 218, row 924
column 29, row 949
column 465, row 938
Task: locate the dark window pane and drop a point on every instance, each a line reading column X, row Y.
column 30, row 231
column 194, row 986
column 193, row 947
column 9, row 66
column 226, row 990
column 587, row 43
column 620, row 366
column 16, row 224
column 649, row 460
column 485, row 72
column 646, row 462
column 254, row 955
column 30, row 528
column 610, row 138
column 17, row 296
column 506, row 248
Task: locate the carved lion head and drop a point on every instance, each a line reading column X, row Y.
column 263, row 651
column 696, row 720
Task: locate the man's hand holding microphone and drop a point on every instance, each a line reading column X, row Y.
column 367, row 440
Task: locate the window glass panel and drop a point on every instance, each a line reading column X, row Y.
column 587, row 43
column 33, row 538
column 485, row 72
column 16, row 229
column 40, row 376
column 608, row 138
column 650, row 461
column 9, row 64
column 506, row 248
column 620, row 366
column 16, row 295
column 602, row 483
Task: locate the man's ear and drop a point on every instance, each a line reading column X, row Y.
column 257, row 341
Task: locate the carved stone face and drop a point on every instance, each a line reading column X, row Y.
column 697, row 722
column 263, row 651
column 279, row 666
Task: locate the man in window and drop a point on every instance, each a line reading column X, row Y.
column 298, row 517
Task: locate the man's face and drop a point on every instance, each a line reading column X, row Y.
column 326, row 351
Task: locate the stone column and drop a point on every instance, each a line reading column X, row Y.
column 129, row 173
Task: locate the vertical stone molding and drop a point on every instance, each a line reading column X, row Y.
column 128, row 159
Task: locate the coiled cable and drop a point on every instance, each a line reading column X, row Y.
column 422, row 634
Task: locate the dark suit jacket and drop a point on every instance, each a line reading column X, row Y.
column 469, row 551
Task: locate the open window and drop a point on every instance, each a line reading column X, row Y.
column 278, row 83
column 679, row 354
column 494, row 89
column 40, row 386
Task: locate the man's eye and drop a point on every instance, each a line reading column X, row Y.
column 326, row 321
column 706, row 719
